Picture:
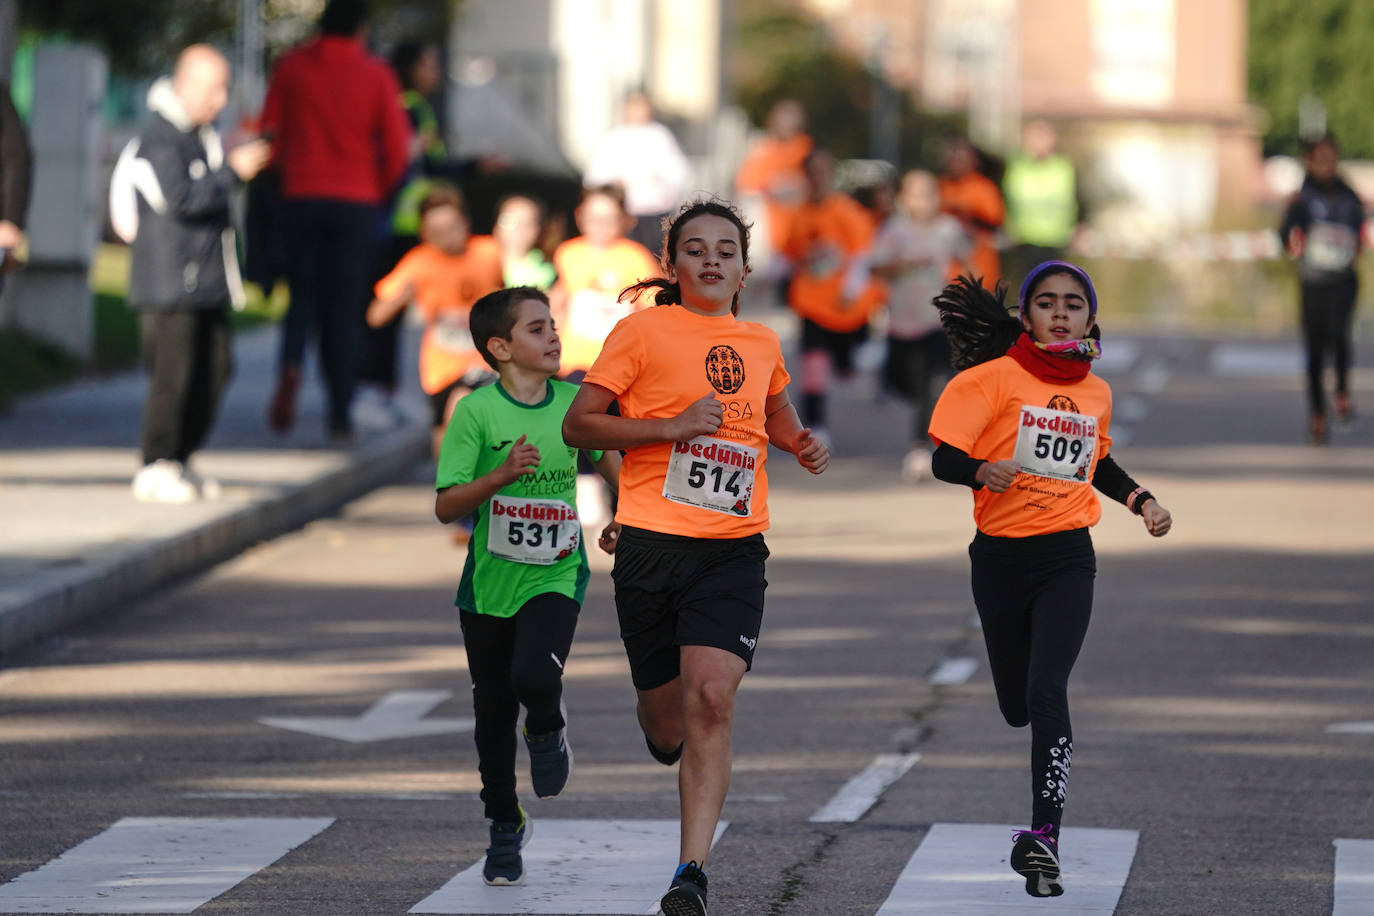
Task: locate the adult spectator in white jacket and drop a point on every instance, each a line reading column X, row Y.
column 643, row 157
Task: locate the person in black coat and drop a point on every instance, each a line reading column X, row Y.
column 1322, row 230
column 184, row 269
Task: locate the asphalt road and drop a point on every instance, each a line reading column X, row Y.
column 1218, row 660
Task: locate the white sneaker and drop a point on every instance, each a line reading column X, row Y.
column 206, row 487
column 164, row 481
column 916, row 465
column 374, row 411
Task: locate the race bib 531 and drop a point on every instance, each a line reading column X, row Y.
column 1056, row 443
column 536, row 531
column 713, row 474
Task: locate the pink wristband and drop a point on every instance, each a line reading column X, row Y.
column 1135, row 494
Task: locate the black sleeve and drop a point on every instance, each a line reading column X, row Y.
column 15, row 162
column 1111, row 481
column 1295, row 217
column 953, row 465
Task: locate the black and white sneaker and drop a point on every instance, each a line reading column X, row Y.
column 504, row 866
column 551, row 762
column 687, row 894
column 1035, row 857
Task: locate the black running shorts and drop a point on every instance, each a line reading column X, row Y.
column 673, row 591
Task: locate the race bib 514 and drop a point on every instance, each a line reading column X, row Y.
column 713, row 474
column 1056, row 443
column 536, row 531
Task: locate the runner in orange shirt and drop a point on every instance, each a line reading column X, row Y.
column 592, row 270
column 831, row 289
column 1025, row 425
column 773, row 169
column 442, row 277
column 975, row 200
column 702, row 395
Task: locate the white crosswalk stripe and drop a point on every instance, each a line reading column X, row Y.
column 157, row 865
column 858, row 795
column 1354, row 878
column 575, row 867
column 962, row 870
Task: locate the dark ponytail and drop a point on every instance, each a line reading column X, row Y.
column 977, row 322
column 670, row 293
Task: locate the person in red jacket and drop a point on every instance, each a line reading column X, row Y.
column 341, row 144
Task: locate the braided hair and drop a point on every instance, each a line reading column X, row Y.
column 977, row 321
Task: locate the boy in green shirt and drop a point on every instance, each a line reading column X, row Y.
column 503, row 458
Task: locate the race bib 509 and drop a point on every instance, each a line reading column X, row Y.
column 1056, row 443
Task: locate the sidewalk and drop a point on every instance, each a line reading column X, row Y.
column 74, row 542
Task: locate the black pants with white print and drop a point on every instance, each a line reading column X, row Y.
column 515, row 661
column 1034, row 597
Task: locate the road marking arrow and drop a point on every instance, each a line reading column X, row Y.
column 399, row 714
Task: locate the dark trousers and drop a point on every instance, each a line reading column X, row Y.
column 379, row 359
column 332, row 246
column 1327, row 311
column 189, row 358
column 1034, row 597
column 515, row 661
column 917, row 369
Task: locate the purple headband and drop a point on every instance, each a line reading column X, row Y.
column 1039, row 270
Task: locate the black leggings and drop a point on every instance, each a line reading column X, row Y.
column 1327, row 310
column 515, row 661
column 1034, row 598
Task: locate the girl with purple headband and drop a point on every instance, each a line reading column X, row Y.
column 1025, row 425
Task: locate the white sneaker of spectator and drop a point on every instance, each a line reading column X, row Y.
column 373, row 410
column 206, row 487
column 164, row 481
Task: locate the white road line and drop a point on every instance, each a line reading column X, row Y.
column 1119, row 356
column 1354, row 878
column 1352, row 728
column 157, row 865
column 1154, row 379
column 962, row 870
column 1242, row 360
column 953, row 671
column 858, row 795
column 575, row 867
column 399, row 714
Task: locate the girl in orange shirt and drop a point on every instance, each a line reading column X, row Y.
column 702, row 395
column 1025, row 426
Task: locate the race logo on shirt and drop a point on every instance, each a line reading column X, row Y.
column 1062, row 402
column 725, row 369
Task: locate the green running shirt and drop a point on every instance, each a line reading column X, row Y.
column 536, row 531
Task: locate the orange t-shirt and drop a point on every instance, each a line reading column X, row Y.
column 446, row 286
column 977, row 203
column 657, row 363
column 1058, row 431
column 825, row 236
column 593, row 279
column 773, row 168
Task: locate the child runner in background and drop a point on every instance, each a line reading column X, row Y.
column 702, row 395
column 592, row 270
column 519, row 228
column 504, row 459
column 1322, row 229
column 831, row 289
column 1025, row 425
column 976, row 202
column 917, row 251
column 442, row 277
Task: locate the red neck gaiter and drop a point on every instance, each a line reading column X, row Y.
column 1047, row 366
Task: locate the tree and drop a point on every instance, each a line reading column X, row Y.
column 778, row 53
column 1317, row 47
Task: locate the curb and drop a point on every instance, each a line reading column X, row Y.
column 86, row 592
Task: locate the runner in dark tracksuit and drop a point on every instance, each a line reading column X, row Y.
column 1322, row 229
